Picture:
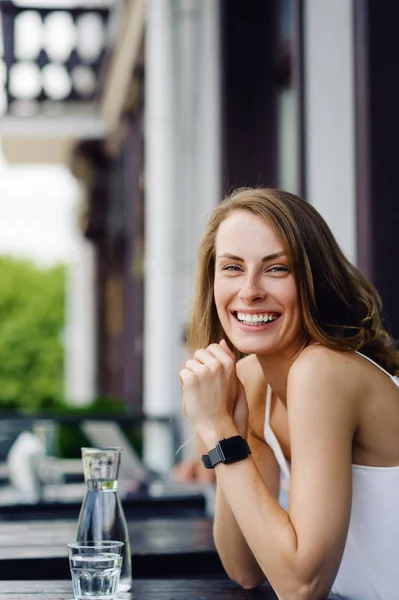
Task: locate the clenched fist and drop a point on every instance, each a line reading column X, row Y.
column 212, row 394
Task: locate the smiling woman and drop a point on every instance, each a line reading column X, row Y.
column 273, row 283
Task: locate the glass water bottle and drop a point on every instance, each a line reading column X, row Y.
column 101, row 516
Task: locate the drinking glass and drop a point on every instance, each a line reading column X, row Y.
column 95, row 569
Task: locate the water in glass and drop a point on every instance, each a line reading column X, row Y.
column 95, row 569
column 95, row 576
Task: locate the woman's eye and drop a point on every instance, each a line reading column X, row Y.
column 278, row 269
column 231, row 268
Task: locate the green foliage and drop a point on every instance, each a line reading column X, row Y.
column 32, row 315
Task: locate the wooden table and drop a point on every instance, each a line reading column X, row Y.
column 144, row 589
column 160, row 548
column 137, row 506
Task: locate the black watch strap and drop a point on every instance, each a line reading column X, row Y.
column 227, row 451
column 206, row 461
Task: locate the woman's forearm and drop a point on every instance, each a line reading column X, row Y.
column 234, row 552
column 237, row 557
column 271, row 536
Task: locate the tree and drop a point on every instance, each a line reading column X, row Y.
column 32, row 316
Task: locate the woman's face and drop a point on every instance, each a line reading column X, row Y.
column 254, row 289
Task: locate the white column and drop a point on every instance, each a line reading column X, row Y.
column 182, row 184
column 80, row 339
column 197, row 168
column 330, row 116
column 161, row 303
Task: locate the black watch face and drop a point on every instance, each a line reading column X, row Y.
column 232, row 449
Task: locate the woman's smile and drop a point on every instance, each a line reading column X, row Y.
column 255, row 321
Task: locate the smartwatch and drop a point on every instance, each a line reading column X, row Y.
column 227, row 450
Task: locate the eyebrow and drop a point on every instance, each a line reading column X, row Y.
column 264, row 259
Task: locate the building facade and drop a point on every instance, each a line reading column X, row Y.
column 192, row 100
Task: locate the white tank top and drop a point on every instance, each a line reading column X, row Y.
column 369, row 568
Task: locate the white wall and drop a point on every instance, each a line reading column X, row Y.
column 182, row 185
column 80, row 331
column 330, row 106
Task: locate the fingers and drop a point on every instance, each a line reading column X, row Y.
column 213, row 357
column 186, row 377
column 225, row 347
column 195, row 366
column 203, row 356
column 226, row 358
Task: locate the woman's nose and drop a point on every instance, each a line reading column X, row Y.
column 252, row 290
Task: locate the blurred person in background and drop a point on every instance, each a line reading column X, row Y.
column 272, row 282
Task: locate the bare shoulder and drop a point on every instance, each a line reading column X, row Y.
column 325, row 373
column 323, row 388
column 320, row 363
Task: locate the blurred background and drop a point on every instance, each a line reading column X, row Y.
column 122, row 124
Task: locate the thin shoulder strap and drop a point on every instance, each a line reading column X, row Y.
column 271, row 438
column 268, row 405
column 375, row 364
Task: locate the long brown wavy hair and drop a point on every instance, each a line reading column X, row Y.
column 339, row 307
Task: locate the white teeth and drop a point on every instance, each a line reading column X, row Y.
column 254, row 319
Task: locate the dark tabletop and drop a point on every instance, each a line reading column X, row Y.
column 138, row 506
column 143, row 589
column 172, row 559
column 160, row 548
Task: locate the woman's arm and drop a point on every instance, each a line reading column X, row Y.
column 252, row 379
column 235, row 554
column 299, row 551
